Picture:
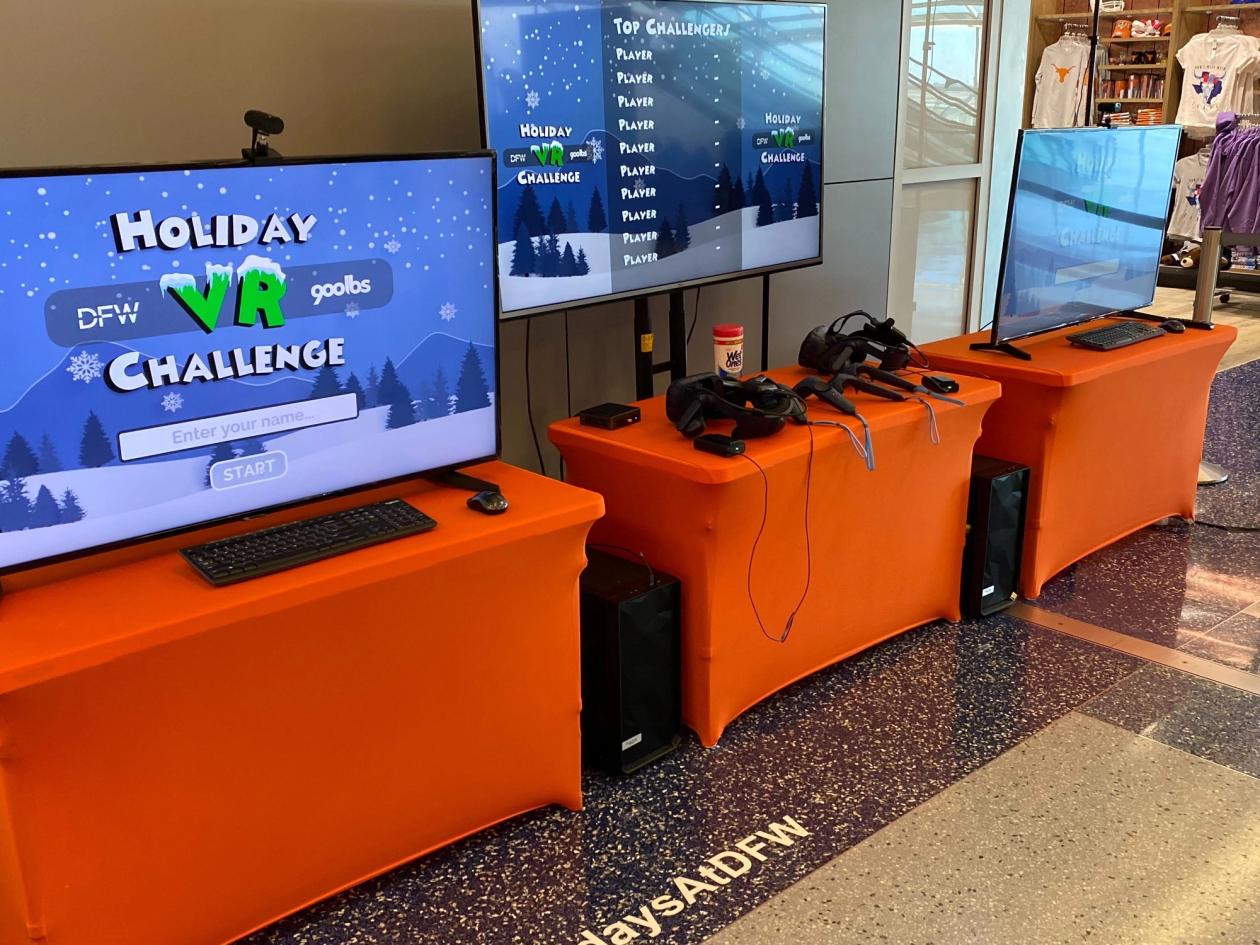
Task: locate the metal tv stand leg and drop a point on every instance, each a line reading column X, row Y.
column 1210, row 474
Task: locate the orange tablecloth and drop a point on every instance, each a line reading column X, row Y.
column 1113, row 438
column 181, row 764
column 886, row 546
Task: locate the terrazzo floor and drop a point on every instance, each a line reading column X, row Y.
column 986, row 783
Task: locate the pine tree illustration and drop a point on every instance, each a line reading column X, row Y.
column 765, row 208
column 568, row 262
column 71, row 510
column 401, row 412
column 529, row 213
column 49, row 461
column 524, row 259
column 441, row 394
column 724, row 192
column 787, row 206
column 596, row 220
column 326, row 383
column 19, row 457
column 251, row 447
column 556, row 222
column 94, row 446
column 354, row 387
column 221, row 453
column 387, row 388
column 15, row 505
column 570, row 216
column 741, row 196
column 665, row 241
column 682, row 232
column 583, row 266
column 807, row 197
column 373, row 380
column 45, row 511
column 471, row 388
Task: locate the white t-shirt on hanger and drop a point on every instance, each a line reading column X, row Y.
column 1218, row 66
column 1188, row 174
column 1059, row 86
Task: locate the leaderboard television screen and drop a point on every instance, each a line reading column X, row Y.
column 650, row 144
column 1086, row 225
column 189, row 344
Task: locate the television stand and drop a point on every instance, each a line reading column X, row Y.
column 1004, row 347
column 454, row 479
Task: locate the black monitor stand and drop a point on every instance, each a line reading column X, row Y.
column 645, row 366
column 454, row 479
column 1003, row 347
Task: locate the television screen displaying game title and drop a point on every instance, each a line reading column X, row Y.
column 650, row 144
column 191, row 344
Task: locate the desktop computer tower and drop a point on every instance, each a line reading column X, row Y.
column 995, row 535
column 631, row 663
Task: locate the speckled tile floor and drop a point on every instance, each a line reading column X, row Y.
column 990, row 782
column 1083, row 833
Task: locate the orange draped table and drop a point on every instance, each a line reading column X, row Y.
column 180, row 764
column 885, row 546
column 1113, row 438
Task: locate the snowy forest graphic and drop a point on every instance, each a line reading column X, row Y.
column 419, row 391
column 539, row 249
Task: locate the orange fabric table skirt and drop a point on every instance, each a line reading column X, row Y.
column 1113, row 438
column 180, row 764
column 886, row 546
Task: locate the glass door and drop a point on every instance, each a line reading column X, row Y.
column 945, row 146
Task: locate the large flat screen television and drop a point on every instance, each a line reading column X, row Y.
column 1085, row 228
column 647, row 145
column 194, row 343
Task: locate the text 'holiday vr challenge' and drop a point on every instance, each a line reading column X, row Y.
column 649, row 144
column 191, row 344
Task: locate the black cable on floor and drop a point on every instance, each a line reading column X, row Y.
column 529, row 399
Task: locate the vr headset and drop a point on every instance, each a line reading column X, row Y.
column 760, row 407
column 828, row 349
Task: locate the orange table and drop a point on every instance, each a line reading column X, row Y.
column 886, row 546
column 180, row 765
column 1113, row 438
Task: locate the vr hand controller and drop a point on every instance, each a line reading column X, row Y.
column 901, row 383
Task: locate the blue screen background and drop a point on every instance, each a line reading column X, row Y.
column 1087, row 225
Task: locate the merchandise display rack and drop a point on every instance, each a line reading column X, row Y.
column 1187, row 19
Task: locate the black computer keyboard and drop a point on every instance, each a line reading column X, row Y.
column 286, row 546
column 1110, row 337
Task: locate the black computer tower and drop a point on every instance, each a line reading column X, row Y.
column 995, row 535
column 631, row 663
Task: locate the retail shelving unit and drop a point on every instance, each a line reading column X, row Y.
column 1187, row 19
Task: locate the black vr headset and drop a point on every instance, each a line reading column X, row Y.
column 760, row 407
column 828, row 349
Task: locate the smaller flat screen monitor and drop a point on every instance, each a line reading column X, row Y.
column 192, row 343
column 648, row 145
column 1085, row 228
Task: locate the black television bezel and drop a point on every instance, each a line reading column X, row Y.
column 665, row 289
column 994, row 340
column 68, row 171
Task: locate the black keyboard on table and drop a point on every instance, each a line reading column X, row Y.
column 286, row 546
column 1110, row 337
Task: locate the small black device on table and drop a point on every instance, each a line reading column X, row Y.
column 610, row 416
column 268, row 550
column 1120, row 335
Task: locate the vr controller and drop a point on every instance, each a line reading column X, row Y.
column 760, row 407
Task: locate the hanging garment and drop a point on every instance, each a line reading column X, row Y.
column 1219, row 71
column 1230, row 195
column 1188, row 177
column 1059, row 84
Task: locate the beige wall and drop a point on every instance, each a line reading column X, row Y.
column 120, row 81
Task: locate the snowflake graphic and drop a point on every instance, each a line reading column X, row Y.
column 639, row 183
column 393, row 246
column 447, row 312
column 85, row 367
column 740, row 123
column 532, row 99
column 352, row 310
column 597, row 149
column 172, row 402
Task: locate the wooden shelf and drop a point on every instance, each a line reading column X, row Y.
column 1231, row 9
column 1136, row 39
column 1087, row 16
column 1129, row 101
column 1121, row 67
